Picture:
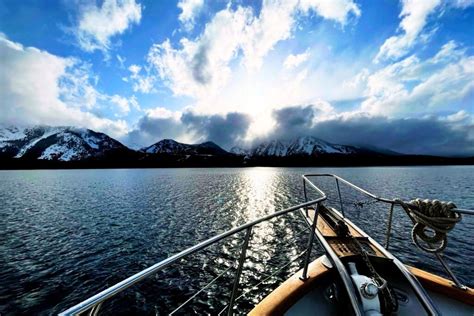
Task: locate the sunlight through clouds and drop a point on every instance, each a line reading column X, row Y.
column 201, row 67
column 189, row 68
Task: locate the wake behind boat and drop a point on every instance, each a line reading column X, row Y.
column 356, row 275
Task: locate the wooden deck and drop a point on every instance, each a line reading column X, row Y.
column 343, row 247
column 290, row 291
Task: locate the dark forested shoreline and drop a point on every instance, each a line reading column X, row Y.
column 177, row 161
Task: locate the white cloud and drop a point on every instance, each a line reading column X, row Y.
column 450, row 51
column 98, row 24
column 163, row 113
column 141, row 83
column 337, row 10
column 462, row 3
column 277, row 20
column 76, row 87
column 123, row 104
column 189, row 10
column 358, row 81
column 459, row 116
column 37, row 87
column 293, row 61
column 201, row 67
column 414, row 86
column 121, row 61
column 414, row 15
column 135, row 70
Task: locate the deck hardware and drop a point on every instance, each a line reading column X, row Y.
column 369, row 290
column 326, row 262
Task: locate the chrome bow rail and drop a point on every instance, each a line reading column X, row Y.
column 93, row 304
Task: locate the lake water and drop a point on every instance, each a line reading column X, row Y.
column 67, row 234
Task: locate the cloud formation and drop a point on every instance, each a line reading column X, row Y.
column 96, row 25
column 414, row 15
column 225, row 130
column 231, row 78
column 413, row 85
column 189, row 11
column 201, row 66
column 37, row 87
column 449, row 135
column 141, row 79
column 293, row 61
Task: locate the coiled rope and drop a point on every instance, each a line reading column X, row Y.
column 434, row 214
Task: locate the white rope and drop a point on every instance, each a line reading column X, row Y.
column 436, row 215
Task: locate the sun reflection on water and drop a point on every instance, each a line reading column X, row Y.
column 272, row 242
column 259, row 189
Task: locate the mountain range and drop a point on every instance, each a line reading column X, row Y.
column 306, row 145
column 172, row 147
column 44, row 146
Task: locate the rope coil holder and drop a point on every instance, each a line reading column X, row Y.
column 431, row 214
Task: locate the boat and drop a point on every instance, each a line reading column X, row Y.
column 355, row 275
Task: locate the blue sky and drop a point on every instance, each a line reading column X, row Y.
column 197, row 70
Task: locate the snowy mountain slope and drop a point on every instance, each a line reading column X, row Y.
column 311, row 146
column 301, row 146
column 166, row 146
column 55, row 143
column 171, row 147
column 236, row 150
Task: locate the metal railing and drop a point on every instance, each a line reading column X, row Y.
column 392, row 204
column 94, row 303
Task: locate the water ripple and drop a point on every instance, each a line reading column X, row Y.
column 67, row 234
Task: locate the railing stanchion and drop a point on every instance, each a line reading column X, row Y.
column 95, row 310
column 389, row 226
column 239, row 270
column 304, row 190
column 305, row 195
column 340, row 198
column 304, row 276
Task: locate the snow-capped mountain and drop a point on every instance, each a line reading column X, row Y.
column 56, row 143
column 171, row 147
column 166, row 146
column 301, row 146
column 236, row 150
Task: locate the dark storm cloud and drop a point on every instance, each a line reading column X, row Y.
column 411, row 136
column 293, row 121
column 225, row 130
column 151, row 129
column 429, row 135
